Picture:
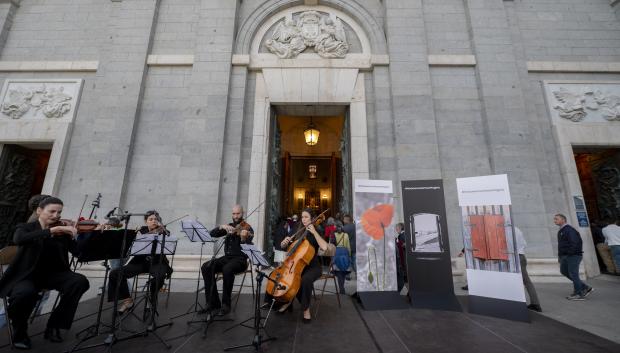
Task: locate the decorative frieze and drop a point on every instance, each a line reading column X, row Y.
column 584, row 102
column 39, row 99
column 311, row 29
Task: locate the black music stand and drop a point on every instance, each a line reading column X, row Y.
column 96, row 246
column 152, row 245
column 196, row 232
column 257, row 260
column 210, row 318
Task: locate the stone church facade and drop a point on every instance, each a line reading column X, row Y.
column 166, row 104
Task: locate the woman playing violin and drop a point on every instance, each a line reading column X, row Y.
column 140, row 264
column 312, row 271
column 42, row 262
column 233, row 262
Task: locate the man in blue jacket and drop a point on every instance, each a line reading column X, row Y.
column 570, row 252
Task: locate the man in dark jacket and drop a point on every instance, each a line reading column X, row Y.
column 570, row 252
column 42, row 263
column 234, row 261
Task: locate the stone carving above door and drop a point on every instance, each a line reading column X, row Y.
column 38, row 99
column 310, row 29
column 580, row 102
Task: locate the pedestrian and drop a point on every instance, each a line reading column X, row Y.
column 527, row 282
column 570, row 254
column 612, row 238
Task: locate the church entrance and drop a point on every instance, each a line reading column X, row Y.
column 22, row 173
column 310, row 163
column 599, row 176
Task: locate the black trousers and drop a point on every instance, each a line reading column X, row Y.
column 229, row 266
column 24, row 295
column 310, row 274
column 159, row 270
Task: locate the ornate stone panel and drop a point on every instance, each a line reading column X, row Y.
column 40, row 99
column 584, row 102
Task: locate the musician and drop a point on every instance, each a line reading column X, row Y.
column 233, row 262
column 312, row 271
column 141, row 264
column 42, row 263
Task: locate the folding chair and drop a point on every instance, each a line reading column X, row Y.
column 325, row 276
column 7, row 255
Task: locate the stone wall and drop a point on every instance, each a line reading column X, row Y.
column 178, row 136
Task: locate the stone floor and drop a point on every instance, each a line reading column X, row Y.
column 564, row 326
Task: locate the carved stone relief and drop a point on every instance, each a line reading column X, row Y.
column 585, row 102
column 310, row 29
column 36, row 99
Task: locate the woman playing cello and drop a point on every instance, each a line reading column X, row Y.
column 312, row 271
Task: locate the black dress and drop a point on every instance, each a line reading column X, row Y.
column 310, row 274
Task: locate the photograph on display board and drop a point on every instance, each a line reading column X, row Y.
column 425, row 231
column 376, row 259
column 489, row 240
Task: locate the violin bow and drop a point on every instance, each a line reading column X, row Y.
column 299, row 231
column 176, row 219
column 254, row 210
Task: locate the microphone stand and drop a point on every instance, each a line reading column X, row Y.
column 258, row 339
column 210, row 316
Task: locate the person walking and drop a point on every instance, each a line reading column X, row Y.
column 570, row 253
column 527, row 282
column 612, row 238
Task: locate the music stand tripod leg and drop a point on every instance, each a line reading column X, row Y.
column 258, row 339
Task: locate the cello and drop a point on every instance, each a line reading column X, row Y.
column 286, row 279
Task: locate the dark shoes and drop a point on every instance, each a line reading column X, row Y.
column 587, row 291
column 225, row 310
column 576, row 296
column 53, row 335
column 535, row 307
column 21, row 341
column 306, row 321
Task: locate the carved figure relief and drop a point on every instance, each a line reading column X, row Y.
column 312, row 29
column 52, row 102
column 575, row 104
column 608, row 178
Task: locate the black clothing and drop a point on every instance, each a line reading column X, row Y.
column 25, row 294
column 569, row 241
column 29, row 274
column 137, row 265
column 232, row 244
column 233, row 262
column 279, row 235
column 30, row 239
column 229, row 266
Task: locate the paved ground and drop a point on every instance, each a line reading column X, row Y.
column 559, row 326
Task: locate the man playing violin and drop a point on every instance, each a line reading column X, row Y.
column 42, row 263
column 233, row 262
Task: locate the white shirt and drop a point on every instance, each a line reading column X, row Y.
column 612, row 234
column 521, row 243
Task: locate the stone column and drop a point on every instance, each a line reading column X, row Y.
column 102, row 141
column 510, row 133
column 207, row 107
column 414, row 131
column 7, row 11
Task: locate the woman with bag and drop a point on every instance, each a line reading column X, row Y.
column 342, row 259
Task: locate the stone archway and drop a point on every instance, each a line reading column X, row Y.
column 306, row 78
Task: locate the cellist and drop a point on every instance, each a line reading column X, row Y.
column 313, row 270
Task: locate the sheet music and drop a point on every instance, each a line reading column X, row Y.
column 254, row 255
column 144, row 243
column 196, row 231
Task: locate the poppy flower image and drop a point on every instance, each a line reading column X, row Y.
column 375, row 219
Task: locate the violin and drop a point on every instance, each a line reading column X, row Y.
column 243, row 225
